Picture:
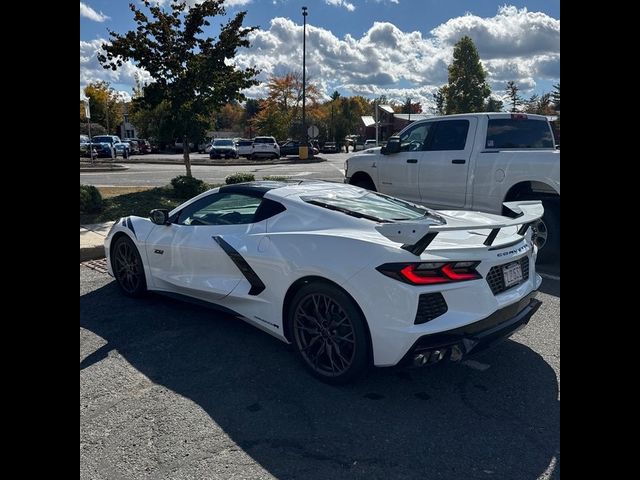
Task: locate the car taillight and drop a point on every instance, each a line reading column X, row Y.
column 431, row 273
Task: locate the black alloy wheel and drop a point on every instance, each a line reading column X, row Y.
column 127, row 267
column 328, row 333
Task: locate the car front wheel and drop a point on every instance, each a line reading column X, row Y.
column 127, row 267
column 328, row 333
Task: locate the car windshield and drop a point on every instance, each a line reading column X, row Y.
column 223, row 143
column 102, row 139
column 263, row 140
column 371, row 205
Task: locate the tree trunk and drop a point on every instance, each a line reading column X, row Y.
column 185, row 151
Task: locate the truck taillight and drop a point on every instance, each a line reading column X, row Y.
column 518, row 116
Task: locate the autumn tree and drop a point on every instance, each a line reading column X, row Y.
column 540, row 104
column 189, row 69
column 106, row 106
column 281, row 112
column 467, row 88
column 408, row 107
column 514, row 98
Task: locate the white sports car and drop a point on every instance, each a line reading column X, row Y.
column 350, row 277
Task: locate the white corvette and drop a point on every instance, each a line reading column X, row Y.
column 350, row 277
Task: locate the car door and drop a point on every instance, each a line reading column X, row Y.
column 398, row 173
column 191, row 255
column 444, row 165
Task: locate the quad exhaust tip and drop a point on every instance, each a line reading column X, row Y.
column 434, row 356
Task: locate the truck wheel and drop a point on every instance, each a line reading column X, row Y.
column 547, row 232
column 364, row 183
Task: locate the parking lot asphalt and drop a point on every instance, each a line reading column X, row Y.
column 172, row 390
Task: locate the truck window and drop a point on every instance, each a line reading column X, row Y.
column 414, row 138
column 518, row 133
column 450, row 135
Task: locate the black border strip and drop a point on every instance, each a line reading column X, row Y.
column 256, row 284
column 130, row 225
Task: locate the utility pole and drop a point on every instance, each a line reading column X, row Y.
column 375, row 106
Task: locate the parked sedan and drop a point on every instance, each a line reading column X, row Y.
column 223, row 148
column 330, row 147
column 350, row 277
column 292, row 147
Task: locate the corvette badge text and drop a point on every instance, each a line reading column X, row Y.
column 515, row 251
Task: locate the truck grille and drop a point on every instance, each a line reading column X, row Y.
column 495, row 278
column 430, row 306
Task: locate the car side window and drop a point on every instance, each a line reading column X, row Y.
column 449, row 135
column 415, row 138
column 220, row 209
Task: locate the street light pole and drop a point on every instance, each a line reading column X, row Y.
column 304, row 73
column 375, row 106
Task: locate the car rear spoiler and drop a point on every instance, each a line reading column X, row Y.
column 416, row 235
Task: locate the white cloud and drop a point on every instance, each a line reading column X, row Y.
column 514, row 45
column 191, row 3
column 88, row 12
column 341, row 3
column 91, row 70
column 511, row 33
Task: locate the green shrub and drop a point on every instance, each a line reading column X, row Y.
column 90, row 199
column 276, row 178
column 239, row 177
column 187, row 187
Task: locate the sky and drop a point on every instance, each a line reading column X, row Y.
column 397, row 48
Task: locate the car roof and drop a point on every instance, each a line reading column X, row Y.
column 283, row 189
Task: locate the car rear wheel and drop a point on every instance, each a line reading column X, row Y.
column 127, row 267
column 328, row 333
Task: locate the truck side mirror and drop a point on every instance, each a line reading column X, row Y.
column 392, row 146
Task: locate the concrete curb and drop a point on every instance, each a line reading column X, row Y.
column 238, row 162
column 92, row 240
column 91, row 253
column 113, row 168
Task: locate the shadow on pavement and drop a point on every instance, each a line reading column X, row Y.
column 451, row 421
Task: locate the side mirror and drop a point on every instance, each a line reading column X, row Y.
column 392, row 146
column 159, row 216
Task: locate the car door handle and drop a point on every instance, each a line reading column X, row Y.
column 412, row 160
column 459, row 161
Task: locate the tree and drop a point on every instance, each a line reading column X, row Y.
column 280, row 113
column 229, row 117
column 190, row 70
column 467, row 87
column 408, row 107
column 512, row 93
column 555, row 96
column 493, row 105
column 539, row 104
column 96, row 129
column 106, row 106
column 440, row 97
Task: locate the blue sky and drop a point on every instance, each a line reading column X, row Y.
column 398, row 48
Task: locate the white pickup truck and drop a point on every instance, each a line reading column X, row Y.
column 472, row 161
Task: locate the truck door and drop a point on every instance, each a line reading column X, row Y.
column 398, row 173
column 444, row 165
